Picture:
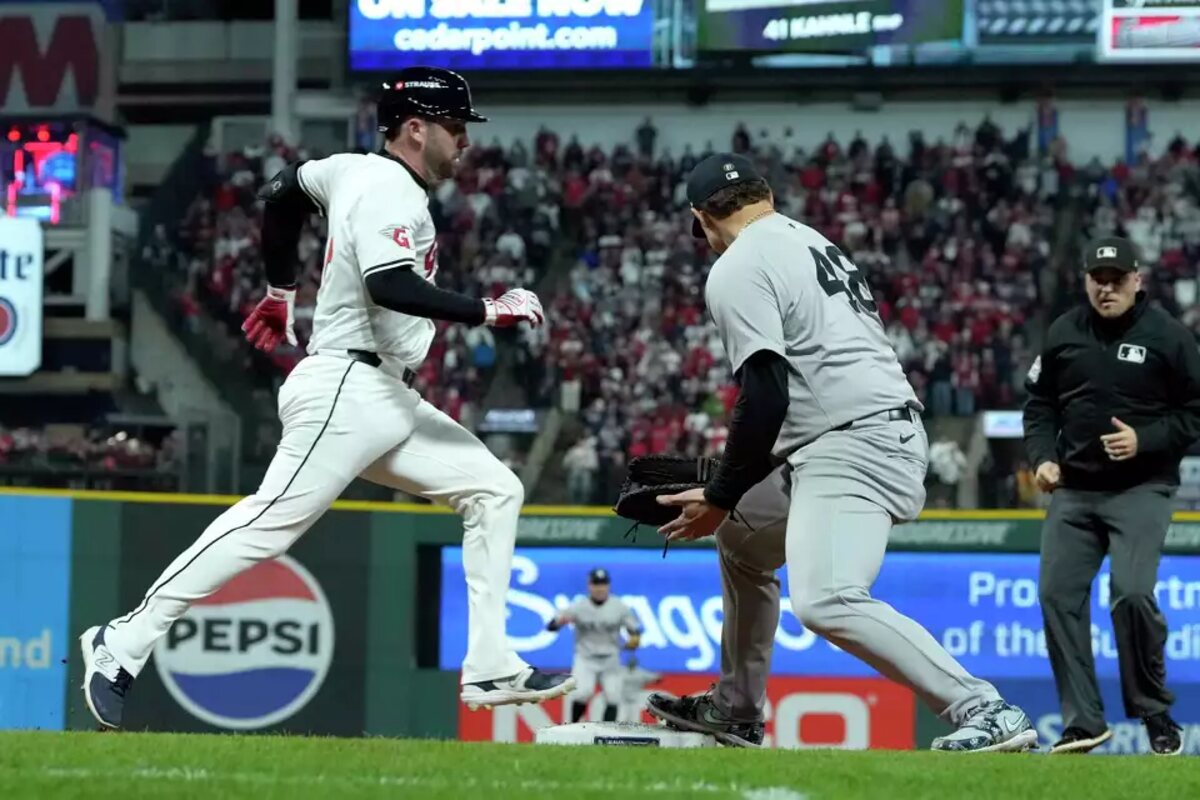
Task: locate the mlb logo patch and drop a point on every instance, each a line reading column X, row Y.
column 1106, row 252
column 254, row 653
column 1133, row 353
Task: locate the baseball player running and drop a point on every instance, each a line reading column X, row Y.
column 598, row 620
column 822, row 392
column 349, row 409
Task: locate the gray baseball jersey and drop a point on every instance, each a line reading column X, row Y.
column 782, row 286
column 598, row 627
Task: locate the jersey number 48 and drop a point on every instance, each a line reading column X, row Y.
column 836, row 278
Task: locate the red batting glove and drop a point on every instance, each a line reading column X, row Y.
column 272, row 319
column 512, row 307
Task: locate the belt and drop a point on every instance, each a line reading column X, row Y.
column 903, row 413
column 373, row 360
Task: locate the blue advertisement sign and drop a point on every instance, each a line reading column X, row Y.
column 982, row 607
column 1040, row 702
column 501, row 34
column 35, row 576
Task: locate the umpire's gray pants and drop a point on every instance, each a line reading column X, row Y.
column 831, row 527
column 1081, row 527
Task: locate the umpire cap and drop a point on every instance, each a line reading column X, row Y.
column 426, row 92
column 598, row 575
column 1111, row 252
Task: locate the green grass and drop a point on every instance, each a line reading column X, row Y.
column 48, row 766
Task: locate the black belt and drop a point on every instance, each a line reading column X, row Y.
column 373, row 360
column 903, row 413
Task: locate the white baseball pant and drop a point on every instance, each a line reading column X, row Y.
column 342, row 419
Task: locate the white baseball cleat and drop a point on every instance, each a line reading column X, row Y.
column 994, row 727
column 530, row 685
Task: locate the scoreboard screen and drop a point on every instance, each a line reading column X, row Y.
column 820, row 26
column 1138, row 30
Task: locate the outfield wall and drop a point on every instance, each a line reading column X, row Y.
column 360, row 628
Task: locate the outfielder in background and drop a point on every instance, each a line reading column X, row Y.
column 349, row 409
column 826, row 452
column 598, row 620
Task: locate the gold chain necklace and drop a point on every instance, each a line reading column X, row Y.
column 755, row 219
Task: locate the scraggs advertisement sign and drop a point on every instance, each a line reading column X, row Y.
column 49, row 56
column 842, row 713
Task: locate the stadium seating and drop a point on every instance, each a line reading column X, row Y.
column 953, row 235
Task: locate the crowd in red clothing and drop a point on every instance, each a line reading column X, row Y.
column 491, row 232
column 952, row 236
column 1155, row 202
column 84, row 455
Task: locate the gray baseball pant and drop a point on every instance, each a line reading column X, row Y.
column 829, row 521
column 1081, row 528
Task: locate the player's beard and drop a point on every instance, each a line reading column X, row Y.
column 442, row 168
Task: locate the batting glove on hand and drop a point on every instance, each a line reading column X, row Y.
column 272, row 319
column 512, row 307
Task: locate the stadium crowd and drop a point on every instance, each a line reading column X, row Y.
column 84, row 457
column 1155, row 202
column 952, row 234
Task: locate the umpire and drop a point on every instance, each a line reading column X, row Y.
column 1114, row 402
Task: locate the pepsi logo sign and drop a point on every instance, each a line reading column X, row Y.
column 255, row 652
column 8, row 320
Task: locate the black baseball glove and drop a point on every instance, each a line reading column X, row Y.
column 652, row 476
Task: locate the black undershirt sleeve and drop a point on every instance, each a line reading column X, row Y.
column 758, row 417
column 285, row 209
column 401, row 289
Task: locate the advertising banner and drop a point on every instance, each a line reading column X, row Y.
column 983, row 608
column 1039, row 700
column 844, row 713
column 21, row 254
column 515, row 34
column 280, row 648
column 35, row 577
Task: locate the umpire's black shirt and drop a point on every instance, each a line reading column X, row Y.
column 1142, row 368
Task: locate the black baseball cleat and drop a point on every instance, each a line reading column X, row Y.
column 1077, row 740
column 1165, row 735
column 530, row 685
column 105, row 682
column 698, row 713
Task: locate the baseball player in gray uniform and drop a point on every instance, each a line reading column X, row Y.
column 826, row 452
column 598, row 620
column 349, row 409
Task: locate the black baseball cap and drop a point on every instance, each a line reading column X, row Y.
column 714, row 174
column 598, row 575
column 425, row 92
column 1111, row 252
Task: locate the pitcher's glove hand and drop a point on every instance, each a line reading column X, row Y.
column 650, row 477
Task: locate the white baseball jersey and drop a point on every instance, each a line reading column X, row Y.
column 598, row 626
column 782, row 286
column 379, row 219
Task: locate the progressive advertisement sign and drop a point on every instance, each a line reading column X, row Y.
column 501, row 34
column 982, row 607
